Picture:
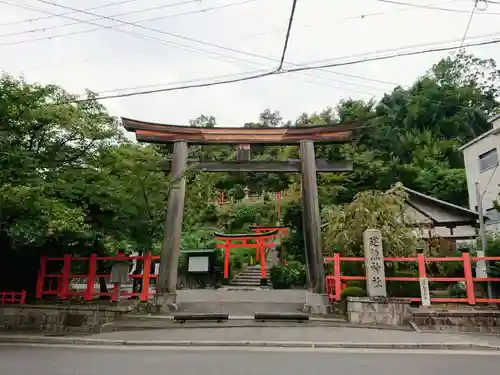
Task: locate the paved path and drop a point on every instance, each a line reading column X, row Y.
column 222, row 295
column 314, row 334
column 240, row 302
column 95, row 361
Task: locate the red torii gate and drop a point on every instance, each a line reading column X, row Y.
column 267, row 228
column 262, row 240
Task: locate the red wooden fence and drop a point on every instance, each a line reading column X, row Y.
column 335, row 283
column 57, row 284
column 13, row 297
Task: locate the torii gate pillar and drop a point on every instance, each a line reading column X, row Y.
column 166, row 296
column 316, row 299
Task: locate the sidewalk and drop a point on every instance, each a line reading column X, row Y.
column 334, row 337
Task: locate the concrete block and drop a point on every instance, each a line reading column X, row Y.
column 316, row 304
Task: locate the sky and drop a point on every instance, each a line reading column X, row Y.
column 168, row 43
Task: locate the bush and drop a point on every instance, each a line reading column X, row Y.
column 293, row 248
column 356, row 283
column 404, row 288
column 289, row 275
column 352, row 291
column 457, row 290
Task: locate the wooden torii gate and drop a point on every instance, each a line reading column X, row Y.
column 242, row 138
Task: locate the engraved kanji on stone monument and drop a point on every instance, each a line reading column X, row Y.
column 374, row 263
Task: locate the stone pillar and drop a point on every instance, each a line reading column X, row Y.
column 243, row 152
column 165, row 299
column 316, row 298
column 374, row 263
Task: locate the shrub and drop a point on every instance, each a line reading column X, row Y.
column 289, row 275
column 278, row 277
column 404, row 288
column 457, row 290
column 293, row 248
column 356, row 283
column 352, row 291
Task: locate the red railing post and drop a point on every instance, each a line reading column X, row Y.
column 64, row 285
column 469, row 281
column 336, row 274
column 23, row 297
column 262, row 250
column 41, row 277
column 146, row 274
column 91, row 278
column 421, row 265
column 226, row 259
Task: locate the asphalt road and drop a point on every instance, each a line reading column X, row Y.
column 96, row 361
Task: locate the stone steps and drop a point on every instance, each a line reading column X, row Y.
column 249, row 277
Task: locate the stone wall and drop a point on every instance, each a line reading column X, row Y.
column 60, row 318
column 483, row 321
column 378, row 310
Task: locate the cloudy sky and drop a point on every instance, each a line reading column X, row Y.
column 166, row 43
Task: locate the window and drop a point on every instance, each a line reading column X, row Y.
column 492, row 214
column 488, row 159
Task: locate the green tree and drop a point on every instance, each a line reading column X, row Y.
column 385, row 211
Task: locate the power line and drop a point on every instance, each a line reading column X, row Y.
column 189, row 48
column 432, row 7
column 143, row 10
column 181, row 45
column 286, row 71
column 403, row 54
column 179, row 36
column 153, row 29
column 93, row 8
column 192, row 48
column 225, row 76
column 232, row 57
column 200, row 50
column 199, row 85
column 146, row 37
column 491, row 178
column 235, row 58
column 338, row 20
column 364, row 54
column 469, row 22
column 287, row 37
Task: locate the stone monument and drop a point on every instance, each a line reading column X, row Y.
column 376, row 308
column 374, row 263
column 425, row 293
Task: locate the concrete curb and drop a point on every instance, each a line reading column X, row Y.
column 18, row 339
column 167, row 322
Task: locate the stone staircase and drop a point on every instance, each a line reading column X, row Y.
column 250, row 277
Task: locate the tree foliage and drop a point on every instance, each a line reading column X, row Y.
column 385, row 211
column 71, row 182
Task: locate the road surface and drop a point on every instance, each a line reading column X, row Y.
column 105, row 361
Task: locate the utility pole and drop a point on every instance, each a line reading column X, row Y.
column 482, row 233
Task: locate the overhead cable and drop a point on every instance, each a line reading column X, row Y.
column 286, row 71
column 431, row 7
column 142, row 10
column 469, row 22
column 287, row 37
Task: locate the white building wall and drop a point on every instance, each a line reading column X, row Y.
column 489, row 179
